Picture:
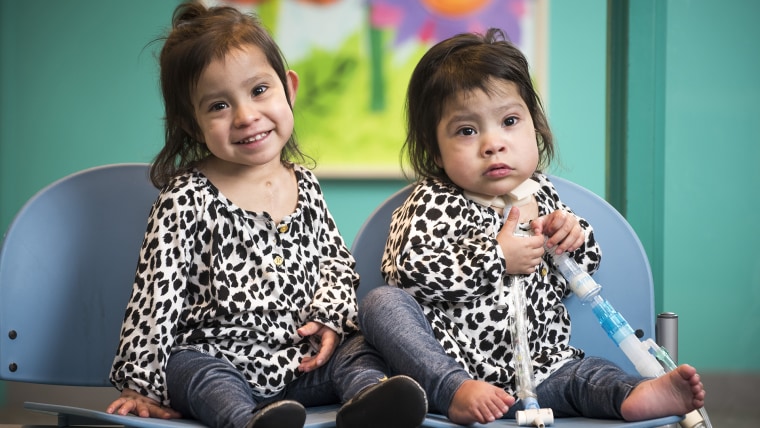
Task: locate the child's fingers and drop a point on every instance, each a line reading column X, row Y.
column 563, row 231
column 158, row 411
column 126, row 407
column 328, row 345
column 309, row 328
column 169, row 413
column 307, row 364
column 569, row 242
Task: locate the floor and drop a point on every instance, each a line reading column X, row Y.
column 733, row 400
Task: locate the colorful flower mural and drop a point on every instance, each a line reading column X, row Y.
column 431, row 21
column 354, row 58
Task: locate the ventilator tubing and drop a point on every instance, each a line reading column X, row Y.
column 643, row 355
column 533, row 414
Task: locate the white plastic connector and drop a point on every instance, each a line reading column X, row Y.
column 534, row 417
column 694, row 419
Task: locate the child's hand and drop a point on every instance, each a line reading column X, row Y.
column 522, row 253
column 324, row 338
column 133, row 402
column 562, row 230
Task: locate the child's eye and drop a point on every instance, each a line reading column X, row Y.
column 258, row 90
column 218, row 106
column 510, row 121
column 466, row 131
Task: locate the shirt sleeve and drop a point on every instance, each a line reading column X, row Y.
column 334, row 303
column 440, row 248
column 150, row 319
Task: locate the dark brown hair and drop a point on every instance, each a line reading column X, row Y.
column 200, row 35
column 459, row 64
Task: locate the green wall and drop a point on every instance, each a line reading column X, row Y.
column 711, row 179
column 576, row 99
column 691, row 150
column 693, row 180
column 78, row 89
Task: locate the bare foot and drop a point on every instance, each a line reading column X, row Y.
column 677, row 392
column 478, row 401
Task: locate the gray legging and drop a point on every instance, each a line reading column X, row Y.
column 393, row 322
column 214, row 392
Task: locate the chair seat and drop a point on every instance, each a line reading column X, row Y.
column 439, row 421
column 316, row 417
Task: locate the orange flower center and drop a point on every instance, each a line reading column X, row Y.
column 453, row 8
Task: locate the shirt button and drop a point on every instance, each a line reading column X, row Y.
column 278, row 260
column 283, row 228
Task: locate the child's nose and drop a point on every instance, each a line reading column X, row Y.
column 245, row 114
column 493, row 145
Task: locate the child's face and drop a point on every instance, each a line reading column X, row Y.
column 488, row 144
column 242, row 110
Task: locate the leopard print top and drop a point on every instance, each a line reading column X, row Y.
column 442, row 249
column 231, row 283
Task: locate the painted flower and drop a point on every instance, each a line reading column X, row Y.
column 430, row 21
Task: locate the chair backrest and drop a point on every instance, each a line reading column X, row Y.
column 67, row 265
column 625, row 275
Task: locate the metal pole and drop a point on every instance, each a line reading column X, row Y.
column 666, row 333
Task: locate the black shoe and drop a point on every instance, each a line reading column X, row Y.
column 398, row 402
column 280, row 414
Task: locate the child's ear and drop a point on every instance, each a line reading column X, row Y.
column 190, row 130
column 437, row 160
column 291, row 78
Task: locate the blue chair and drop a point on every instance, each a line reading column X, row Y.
column 67, row 265
column 624, row 274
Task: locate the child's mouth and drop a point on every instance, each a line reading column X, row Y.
column 253, row 139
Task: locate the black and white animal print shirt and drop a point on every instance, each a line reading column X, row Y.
column 233, row 284
column 442, row 249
